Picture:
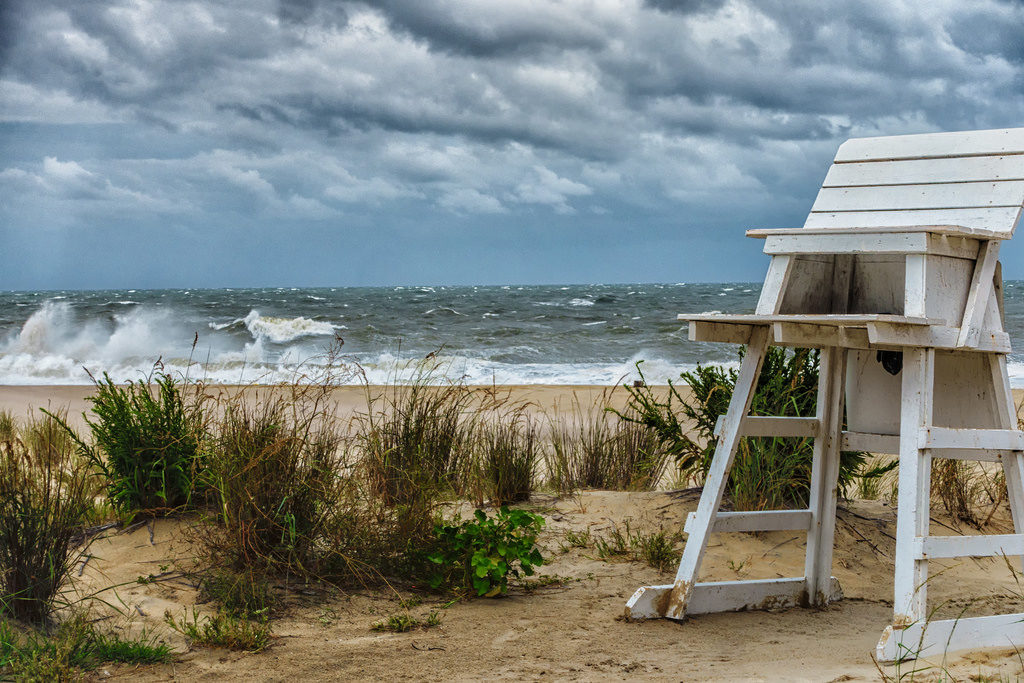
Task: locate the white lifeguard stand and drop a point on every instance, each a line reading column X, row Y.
column 899, row 255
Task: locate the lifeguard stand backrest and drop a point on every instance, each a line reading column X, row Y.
column 974, row 179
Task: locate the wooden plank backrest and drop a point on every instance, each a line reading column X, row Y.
column 973, row 179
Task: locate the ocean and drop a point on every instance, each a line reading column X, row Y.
column 536, row 334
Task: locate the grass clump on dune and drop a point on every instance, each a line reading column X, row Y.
column 590, row 449
column 45, row 500
column 147, row 442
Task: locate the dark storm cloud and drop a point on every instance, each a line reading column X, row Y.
column 453, row 26
column 676, row 117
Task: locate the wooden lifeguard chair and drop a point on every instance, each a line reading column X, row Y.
column 895, row 277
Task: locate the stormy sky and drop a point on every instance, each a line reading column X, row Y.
column 215, row 143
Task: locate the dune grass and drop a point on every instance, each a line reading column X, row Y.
column 45, row 499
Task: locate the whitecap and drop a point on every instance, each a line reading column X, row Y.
column 581, row 302
column 282, row 330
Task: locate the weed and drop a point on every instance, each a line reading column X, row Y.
column 403, row 621
column 409, row 603
column 486, row 551
column 969, row 491
column 74, row 646
column 656, row 549
column 44, row 501
column 576, row 539
column 223, row 630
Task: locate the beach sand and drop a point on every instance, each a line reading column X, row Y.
column 572, row 631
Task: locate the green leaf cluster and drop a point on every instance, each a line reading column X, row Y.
column 483, row 552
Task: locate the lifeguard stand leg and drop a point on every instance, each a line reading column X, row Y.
column 913, row 632
column 824, row 478
column 1013, row 461
column 671, row 600
column 913, row 505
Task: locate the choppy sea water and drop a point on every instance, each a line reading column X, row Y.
column 571, row 334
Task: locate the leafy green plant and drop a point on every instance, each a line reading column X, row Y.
column 223, row 630
column 484, row 552
column 147, row 442
column 768, row 472
column 44, row 502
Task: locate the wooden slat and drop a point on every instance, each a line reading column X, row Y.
column 938, row 196
column 709, row 597
column 1000, row 220
column 992, row 545
column 989, row 439
column 889, row 444
column 978, row 296
column 935, row 638
column 869, row 240
column 714, row 332
column 938, row 229
column 779, row 270
column 764, row 520
column 872, row 443
column 895, row 335
column 737, row 596
column 933, row 145
column 838, row 320
column 765, row 425
column 859, row 243
column 920, row 171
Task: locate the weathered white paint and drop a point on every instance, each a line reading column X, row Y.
column 913, row 511
column 992, row 545
column 761, row 520
column 934, row 638
column 824, row 477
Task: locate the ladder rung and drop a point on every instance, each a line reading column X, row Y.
column 990, row 439
column 764, row 520
column 994, row 545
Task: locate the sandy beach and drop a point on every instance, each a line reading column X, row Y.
column 571, row 629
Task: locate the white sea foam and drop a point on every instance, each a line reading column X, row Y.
column 581, row 302
column 283, row 330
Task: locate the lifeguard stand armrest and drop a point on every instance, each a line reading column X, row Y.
column 837, row 320
column 954, row 230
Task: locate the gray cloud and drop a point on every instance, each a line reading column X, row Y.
column 671, row 119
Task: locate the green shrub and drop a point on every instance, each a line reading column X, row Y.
column 767, row 472
column 148, row 440
column 44, row 501
column 480, row 554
